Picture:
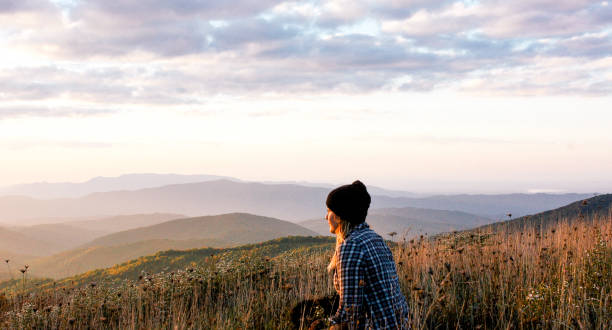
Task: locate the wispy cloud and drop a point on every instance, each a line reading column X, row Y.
column 27, row 111
column 180, row 52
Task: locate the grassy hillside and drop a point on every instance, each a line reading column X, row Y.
column 81, row 260
column 598, row 206
column 408, row 222
column 173, row 260
column 233, row 228
column 528, row 279
column 212, row 231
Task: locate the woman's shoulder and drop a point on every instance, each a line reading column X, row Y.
column 362, row 234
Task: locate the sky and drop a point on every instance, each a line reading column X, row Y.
column 423, row 96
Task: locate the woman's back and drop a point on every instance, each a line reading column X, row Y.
column 367, row 282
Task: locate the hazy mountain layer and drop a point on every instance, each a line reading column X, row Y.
column 16, row 261
column 62, row 236
column 17, row 243
column 104, row 184
column 188, row 233
column 284, row 201
column 233, row 228
column 409, row 222
column 125, row 222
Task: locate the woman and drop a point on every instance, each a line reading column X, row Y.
column 363, row 266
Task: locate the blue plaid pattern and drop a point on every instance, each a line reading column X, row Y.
column 367, row 282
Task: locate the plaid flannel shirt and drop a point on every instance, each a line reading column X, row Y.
column 367, row 282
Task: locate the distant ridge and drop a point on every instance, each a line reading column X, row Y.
column 409, row 221
column 218, row 231
column 283, row 201
column 598, row 206
column 230, row 229
column 135, row 181
column 126, row 222
column 14, row 242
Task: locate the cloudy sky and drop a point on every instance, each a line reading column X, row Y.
column 430, row 96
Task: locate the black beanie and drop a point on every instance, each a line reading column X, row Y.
column 350, row 202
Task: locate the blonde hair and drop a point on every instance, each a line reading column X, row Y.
column 344, row 229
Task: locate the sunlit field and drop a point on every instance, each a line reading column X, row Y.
column 550, row 277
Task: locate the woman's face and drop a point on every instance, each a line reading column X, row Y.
column 333, row 221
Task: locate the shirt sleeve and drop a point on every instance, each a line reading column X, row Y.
column 350, row 276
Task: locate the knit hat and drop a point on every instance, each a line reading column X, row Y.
column 350, row 202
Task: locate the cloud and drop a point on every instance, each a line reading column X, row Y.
column 19, row 6
column 8, row 112
column 177, row 52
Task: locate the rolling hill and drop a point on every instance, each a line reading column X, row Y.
column 232, row 229
column 409, row 221
column 48, row 239
column 598, row 206
column 172, row 260
column 61, row 236
column 17, row 243
column 125, row 222
column 81, row 260
column 285, row 201
column 219, row 231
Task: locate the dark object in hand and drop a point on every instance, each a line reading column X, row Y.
column 314, row 313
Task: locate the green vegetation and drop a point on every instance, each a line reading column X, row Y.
column 218, row 231
column 598, row 206
column 558, row 278
column 81, row 260
column 173, row 260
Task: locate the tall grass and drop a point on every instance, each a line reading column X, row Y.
column 552, row 278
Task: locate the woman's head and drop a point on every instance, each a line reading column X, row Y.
column 347, row 206
column 350, row 202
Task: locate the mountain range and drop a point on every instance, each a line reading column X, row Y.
column 226, row 230
column 407, row 222
column 136, row 181
column 284, row 201
column 46, row 190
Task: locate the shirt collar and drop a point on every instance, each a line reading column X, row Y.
column 358, row 227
